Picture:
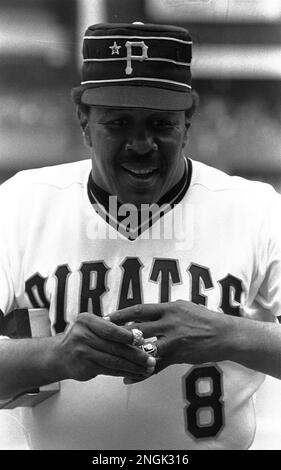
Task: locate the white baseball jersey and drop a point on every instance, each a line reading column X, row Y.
column 219, row 247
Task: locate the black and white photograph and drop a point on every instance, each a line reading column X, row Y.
column 140, row 227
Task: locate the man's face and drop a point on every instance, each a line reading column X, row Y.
column 137, row 153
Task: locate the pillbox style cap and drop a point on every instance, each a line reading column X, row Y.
column 137, row 65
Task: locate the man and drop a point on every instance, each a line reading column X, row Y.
column 79, row 240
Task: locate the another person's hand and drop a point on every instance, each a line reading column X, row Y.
column 93, row 346
column 186, row 332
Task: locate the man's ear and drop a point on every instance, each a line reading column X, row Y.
column 186, row 130
column 84, row 125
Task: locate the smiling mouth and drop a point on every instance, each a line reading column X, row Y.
column 141, row 173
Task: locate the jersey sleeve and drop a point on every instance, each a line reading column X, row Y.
column 6, row 240
column 268, row 297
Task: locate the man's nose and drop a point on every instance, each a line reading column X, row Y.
column 141, row 145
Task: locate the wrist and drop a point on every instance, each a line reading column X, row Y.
column 234, row 337
column 228, row 334
column 55, row 362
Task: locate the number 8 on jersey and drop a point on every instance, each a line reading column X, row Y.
column 204, row 413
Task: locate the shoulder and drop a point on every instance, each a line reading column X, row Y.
column 218, row 185
column 40, row 190
column 58, row 176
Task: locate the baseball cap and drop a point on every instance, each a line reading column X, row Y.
column 137, row 65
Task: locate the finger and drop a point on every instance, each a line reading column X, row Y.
column 156, row 348
column 153, row 328
column 163, row 355
column 107, row 361
column 134, row 380
column 119, row 373
column 105, row 329
column 162, row 347
column 140, row 312
column 133, row 354
column 162, row 361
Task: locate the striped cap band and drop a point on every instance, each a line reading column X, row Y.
column 141, row 58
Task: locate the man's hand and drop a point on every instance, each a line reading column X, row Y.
column 95, row 346
column 186, row 332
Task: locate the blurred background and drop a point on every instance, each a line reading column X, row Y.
column 236, row 69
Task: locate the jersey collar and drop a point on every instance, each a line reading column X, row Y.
column 99, row 198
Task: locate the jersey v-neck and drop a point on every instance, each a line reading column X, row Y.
column 99, row 199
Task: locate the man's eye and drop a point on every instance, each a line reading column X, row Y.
column 118, row 123
column 161, row 123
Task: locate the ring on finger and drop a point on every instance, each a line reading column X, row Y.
column 137, row 337
column 150, row 348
